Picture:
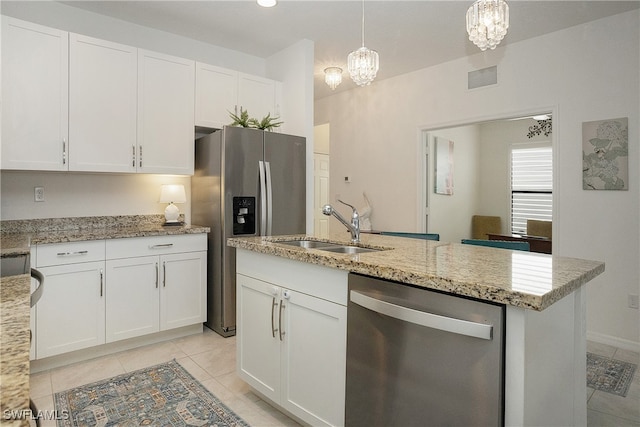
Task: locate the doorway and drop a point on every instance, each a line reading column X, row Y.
column 321, row 178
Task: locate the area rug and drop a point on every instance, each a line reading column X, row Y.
column 162, row 395
column 609, row 375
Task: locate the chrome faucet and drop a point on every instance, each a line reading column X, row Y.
column 353, row 227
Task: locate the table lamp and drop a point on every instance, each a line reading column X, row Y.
column 172, row 193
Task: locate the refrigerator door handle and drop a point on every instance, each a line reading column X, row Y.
column 263, row 199
column 269, row 197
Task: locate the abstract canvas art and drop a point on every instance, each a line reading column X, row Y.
column 605, row 154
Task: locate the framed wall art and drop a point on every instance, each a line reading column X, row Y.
column 605, row 154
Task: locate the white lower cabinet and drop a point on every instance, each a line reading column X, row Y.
column 70, row 314
column 151, row 293
column 292, row 344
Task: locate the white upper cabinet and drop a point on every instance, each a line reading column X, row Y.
column 257, row 95
column 166, row 133
column 102, row 105
column 216, row 95
column 34, row 96
column 220, row 91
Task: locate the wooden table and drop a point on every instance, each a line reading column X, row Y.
column 536, row 244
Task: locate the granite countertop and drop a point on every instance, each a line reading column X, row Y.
column 16, row 238
column 523, row 279
column 14, row 342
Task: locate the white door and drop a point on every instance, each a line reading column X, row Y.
column 70, row 313
column 166, row 133
column 183, row 279
column 216, row 95
column 258, row 335
column 102, row 105
column 35, row 96
column 257, row 95
column 133, row 288
column 315, row 346
column 321, row 193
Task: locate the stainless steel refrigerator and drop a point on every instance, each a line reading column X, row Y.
column 247, row 182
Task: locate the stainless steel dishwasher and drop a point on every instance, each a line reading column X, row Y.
column 422, row 358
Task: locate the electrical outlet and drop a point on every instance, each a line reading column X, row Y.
column 38, row 194
column 633, row 301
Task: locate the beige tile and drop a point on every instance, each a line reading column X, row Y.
column 217, row 362
column 40, row 384
column 275, row 417
column 218, row 390
column 600, row 349
column 627, row 356
column 85, row 372
column 45, row 407
column 622, row 407
column 207, row 341
column 194, row 369
column 599, row 419
column 149, row 355
column 237, row 386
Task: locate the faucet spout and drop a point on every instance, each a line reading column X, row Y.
column 353, row 226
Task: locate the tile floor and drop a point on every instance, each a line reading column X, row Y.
column 606, row 409
column 211, row 360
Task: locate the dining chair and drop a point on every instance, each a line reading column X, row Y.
column 502, row 244
column 423, row 236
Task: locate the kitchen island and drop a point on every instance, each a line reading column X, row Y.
column 544, row 297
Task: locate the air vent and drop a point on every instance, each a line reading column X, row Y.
column 484, row 77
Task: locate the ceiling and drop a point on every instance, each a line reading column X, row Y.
column 408, row 35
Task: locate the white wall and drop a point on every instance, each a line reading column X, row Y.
column 584, row 73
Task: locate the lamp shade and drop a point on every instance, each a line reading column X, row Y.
column 172, row 193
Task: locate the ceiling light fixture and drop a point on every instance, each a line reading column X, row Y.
column 267, row 3
column 487, row 22
column 363, row 64
column 333, row 76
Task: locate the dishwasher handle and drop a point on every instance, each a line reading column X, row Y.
column 422, row 318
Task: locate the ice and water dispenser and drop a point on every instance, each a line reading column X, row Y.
column 244, row 215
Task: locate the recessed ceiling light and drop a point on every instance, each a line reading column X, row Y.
column 267, row 3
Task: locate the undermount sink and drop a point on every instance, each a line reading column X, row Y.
column 348, row 249
column 328, row 246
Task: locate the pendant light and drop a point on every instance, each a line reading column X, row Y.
column 487, row 22
column 333, row 76
column 363, row 64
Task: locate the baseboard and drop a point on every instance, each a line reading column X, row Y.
column 65, row 359
column 614, row 341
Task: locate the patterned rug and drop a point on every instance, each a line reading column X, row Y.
column 609, row 375
column 162, row 395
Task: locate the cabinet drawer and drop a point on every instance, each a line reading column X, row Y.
column 69, row 253
column 156, row 245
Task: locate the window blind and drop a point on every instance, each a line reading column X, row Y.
column 531, row 185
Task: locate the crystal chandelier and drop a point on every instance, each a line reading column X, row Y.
column 487, row 22
column 333, row 76
column 363, row 64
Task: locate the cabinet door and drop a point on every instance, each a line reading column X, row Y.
column 258, row 339
column 35, row 96
column 166, row 133
column 70, row 314
column 314, row 352
column 133, row 287
column 216, row 95
column 257, row 95
column 183, row 285
column 102, row 105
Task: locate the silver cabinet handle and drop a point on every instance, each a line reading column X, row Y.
column 280, row 320
column 430, row 320
column 64, row 151
column 133, row 156
column 164, row 274
column 101, row 282
column 157, row 274
column 274, row 304
column 161, row 246
column 76, row 253
column 141, row 156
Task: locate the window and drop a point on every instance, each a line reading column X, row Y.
column 531, row 185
